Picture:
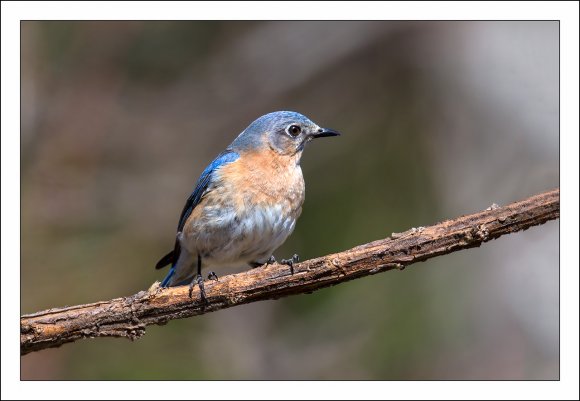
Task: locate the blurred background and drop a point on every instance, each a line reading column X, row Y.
column 439, row 119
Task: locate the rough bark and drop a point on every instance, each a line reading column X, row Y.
column 127, row 317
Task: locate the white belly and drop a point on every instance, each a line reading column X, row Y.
column 223, row 237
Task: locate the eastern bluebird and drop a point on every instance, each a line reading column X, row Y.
column 246, row 202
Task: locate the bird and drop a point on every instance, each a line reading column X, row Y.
column 245, row 203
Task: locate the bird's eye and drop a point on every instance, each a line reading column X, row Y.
column 294, row 130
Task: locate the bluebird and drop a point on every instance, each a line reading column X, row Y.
column 246, row 201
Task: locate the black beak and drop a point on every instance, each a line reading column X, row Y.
column 322, row 132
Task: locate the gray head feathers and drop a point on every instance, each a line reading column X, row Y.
column 254, row 136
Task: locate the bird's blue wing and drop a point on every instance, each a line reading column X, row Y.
column 200, row 189
column 223, row 158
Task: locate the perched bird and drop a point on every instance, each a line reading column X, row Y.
column 246, row 202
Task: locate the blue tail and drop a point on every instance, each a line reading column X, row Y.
column 168, row 277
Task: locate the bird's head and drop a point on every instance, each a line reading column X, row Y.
column 285, row 132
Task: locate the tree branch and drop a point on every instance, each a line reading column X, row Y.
column 128, row 316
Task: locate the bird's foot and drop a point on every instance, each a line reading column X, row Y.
column 290, row 262
column 198, row 279
column 271, row 260
column 212, row 276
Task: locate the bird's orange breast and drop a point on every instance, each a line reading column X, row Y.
column 265, row 178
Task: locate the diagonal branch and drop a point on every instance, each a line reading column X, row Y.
column 128, row 316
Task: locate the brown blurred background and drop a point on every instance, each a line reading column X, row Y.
column 438, row 119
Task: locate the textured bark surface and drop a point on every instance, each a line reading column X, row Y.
column 127, row 317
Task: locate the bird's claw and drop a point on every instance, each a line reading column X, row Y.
column 271, row 260
column 199, row 281
column 290, row 262
column 212, row 276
